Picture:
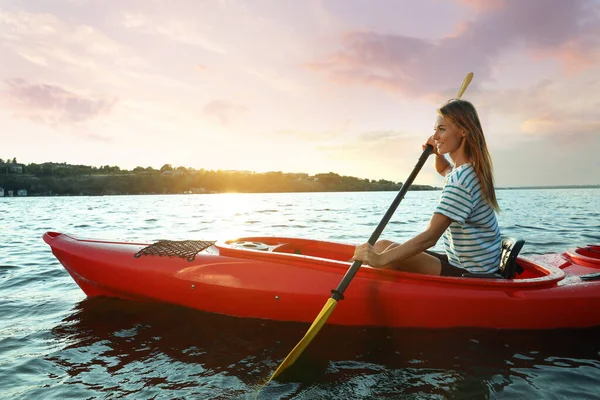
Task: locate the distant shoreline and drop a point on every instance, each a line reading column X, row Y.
column 319, row 191
column 61, row 179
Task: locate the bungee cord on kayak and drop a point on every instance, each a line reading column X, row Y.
column 175, row 248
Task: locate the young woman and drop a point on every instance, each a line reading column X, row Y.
column 466, row 212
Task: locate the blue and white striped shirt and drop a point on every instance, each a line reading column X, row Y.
column 472, row 241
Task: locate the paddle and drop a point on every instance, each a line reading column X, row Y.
column 338, row 293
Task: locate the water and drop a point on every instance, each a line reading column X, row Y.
column 55, row 343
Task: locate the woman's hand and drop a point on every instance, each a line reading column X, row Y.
column 432, row 143
column 367, row 255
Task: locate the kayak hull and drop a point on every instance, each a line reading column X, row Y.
column 277, row 283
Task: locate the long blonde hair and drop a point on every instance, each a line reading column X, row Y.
column 464, row 115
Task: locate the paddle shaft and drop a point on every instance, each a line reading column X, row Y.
column 338, row 293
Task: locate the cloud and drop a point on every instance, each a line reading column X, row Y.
column 275, row 80
column 563, row 30
column 551, row 108
column 483, row 5
column 371, row 144
column 80, row 53
column 181, row 29
column 304, row 135
column 377, row 144
column 45, row 39
column 381, row 137
column 567, row 127
column 52, row 105
column 224, row 111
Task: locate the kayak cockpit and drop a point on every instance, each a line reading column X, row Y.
column 588, row 256
column 322, row 254
column 306, row 247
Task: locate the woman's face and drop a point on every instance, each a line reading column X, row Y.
column 448, row 136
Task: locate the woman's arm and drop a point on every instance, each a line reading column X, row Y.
column 428, row 238
column 442, row 165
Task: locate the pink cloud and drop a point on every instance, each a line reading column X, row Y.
column 483, row 5
column 224, row 111
column 564, row 127
column 53, row 105
column 551, row 109
column 554, row 28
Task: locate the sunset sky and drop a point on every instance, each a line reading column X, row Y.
column 311, row 86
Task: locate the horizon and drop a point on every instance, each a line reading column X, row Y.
column 314, row 174
column 301, row 87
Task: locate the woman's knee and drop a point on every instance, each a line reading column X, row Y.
column 383, row 244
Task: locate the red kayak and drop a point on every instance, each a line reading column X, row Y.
column 288, row 279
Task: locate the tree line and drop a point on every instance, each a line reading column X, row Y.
column 67, row 179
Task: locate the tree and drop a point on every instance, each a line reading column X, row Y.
column 166, row 167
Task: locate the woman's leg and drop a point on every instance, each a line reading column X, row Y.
column 419, row 263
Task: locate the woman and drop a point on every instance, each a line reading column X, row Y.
column 466, row 212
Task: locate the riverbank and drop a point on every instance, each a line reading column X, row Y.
column 83, row 182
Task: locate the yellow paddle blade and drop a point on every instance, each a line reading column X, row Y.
column 308, row 337
column 465, row 84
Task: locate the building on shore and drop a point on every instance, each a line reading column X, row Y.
column 1, row 192
column 9, row 168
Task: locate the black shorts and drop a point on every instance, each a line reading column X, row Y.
column 447, row 268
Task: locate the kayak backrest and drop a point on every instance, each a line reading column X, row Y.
column 508, row 257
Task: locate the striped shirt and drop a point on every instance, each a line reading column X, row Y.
column 472, row 241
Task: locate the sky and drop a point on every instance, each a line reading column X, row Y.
column 312, row 86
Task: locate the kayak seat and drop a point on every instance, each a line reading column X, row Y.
column 508, row 257
column 508, row 260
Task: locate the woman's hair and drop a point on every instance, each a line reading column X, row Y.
column 464, row 115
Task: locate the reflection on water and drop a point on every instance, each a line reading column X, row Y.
column 121, row 347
